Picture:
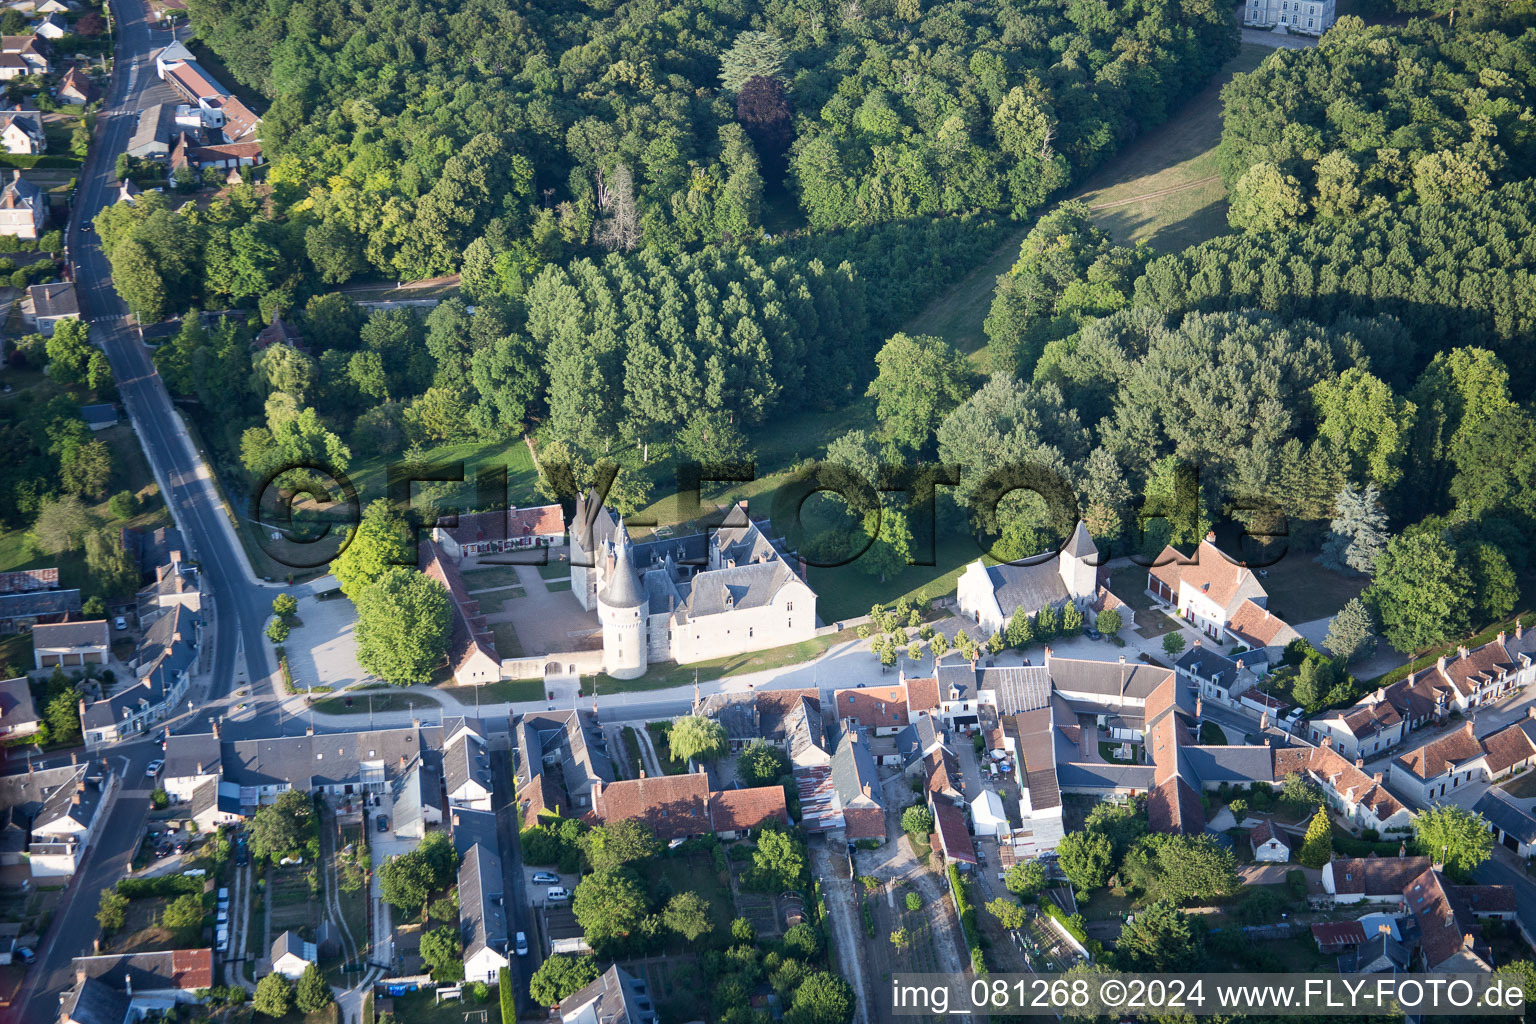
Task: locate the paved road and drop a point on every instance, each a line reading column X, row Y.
column 239, row 604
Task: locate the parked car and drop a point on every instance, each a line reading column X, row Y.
column 521, row 944
column 153, row 768
column 1093, row 634
column 26, row 954
column 119, row 623
column 383, row 823
column 545, row 878
column 557, row 894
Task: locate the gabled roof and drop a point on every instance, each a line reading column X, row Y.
column 616, row 997
column 184, row 969
column 1256, row 626
column 1031, row 586
column 1339, row 774
column 1471, row 670
column 16, row 706
column 91, row 633
column 1036, row 750
column 1263, row 832
column 38, row 603
column 922, row 694
column 482, row 917
column 185, row 753
column 290, row 943
column 674, row 806
column 737, row 810
column 1442, row 755
column 95, row 1002
column 507, row 524
column 876, row 707
column 954, row 838
column 1509, row 746
column 1447, row 926
column 1510, row 818
column 1120, row 679
column 1376, row 876
column 858, row 789
column 1226, row 583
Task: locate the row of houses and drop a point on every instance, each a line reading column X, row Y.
column 1460, row 683
column 1446, row 918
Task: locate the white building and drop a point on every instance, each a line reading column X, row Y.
column 48, row 816
column 686, row 599
column 70, row 644
column 990, row 594
column 466, row 766
column 987, row 814
column 291, row 954
column 1222, row 599
column 1307, row 17
column 617, row 997
column 1269, row 844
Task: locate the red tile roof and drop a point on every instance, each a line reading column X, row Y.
column 674, row 806
column 737, row 810
column 874, row 707
column 508, row 524
column 193, row 968
column 922, row 694
column 1332, row 936
column 1210, row 571
column 1259, row 627
column 1376, row 876
column 863, row 823
column 1509, row 746
column 1442, row 755
column 954, row 838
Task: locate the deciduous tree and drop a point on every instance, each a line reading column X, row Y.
column 403, row 621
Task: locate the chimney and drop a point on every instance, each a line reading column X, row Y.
column 1376, row 778
column 1122, row 657
column 1359, row 762
column 76, row 798
column 1381, row 694
column 1210, row 537
column 1402, row 849
column 1467, row 941
column 215, row 728
column 868, row 791
column 1461, row 652
column 199, row 767
column 74, row 758
column 1197, row 641
column 1440, row 663
column 1467, row 727
column 309, row 730
column 415, row 723
column 1239, row 664
column 128, row 981
column 642, row 773
column 1328, row 742
column 1519, row 629
column 1502, row 637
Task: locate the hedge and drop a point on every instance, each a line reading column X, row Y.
column 967, row 914
column 27, row 162
column 1486, row 636
column 507, row 995
column 1073, row 924
column 164, row 885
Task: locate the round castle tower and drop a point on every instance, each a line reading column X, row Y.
column 621, row 610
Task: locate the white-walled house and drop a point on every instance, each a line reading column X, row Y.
column 71, row 644
column 989, row 595
column 1305, row 17
column 987, row 814
column 1269, row 844
column 291, row 954
column 1440, row 766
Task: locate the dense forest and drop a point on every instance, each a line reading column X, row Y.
column 1354, row 358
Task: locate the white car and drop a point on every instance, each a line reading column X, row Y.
column 521, row 944
column 557, row 894
column 119, row 623
column 153, row 768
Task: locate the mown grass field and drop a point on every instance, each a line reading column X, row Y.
column 1164, row 189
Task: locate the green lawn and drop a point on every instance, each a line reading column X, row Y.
column 632, row 752
column 476, row 580
column 695, row 873
column 958, row 314
column 555, row 571
column 499, row 692
column 369, row 474
column 381, row 700
column 661, row 677
column 659, row 732
column 1111, row 753
column 1165, row 189
column 1301, row 590
column 507, row 643
column 491, row 601
column 1522, row 786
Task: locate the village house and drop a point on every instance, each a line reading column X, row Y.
column 291, row 954
column 678, row 807
column 472, row 653
column 47, row 304
column 1217, row 596
column 158, row 979
column 616, row 997
column 482, row 913
column 1441, row 765
column 1361, row 730
column 476, row 535
column 24, row 55
column 859, row 795
column 71, row 644
column 99, row 415
column 561, row 760
column 21, row 132
column 23, row 207
column 1358, row 798
column 879, row 710
column 1371, row 879
column 466, row 765
column 48, row 816
column 990, row 595
column 1449, row 919
column 1270, row 845
column 953, row 839
column 76, row 88
column 52, row 26
column 1511, row 824
column 18, row 712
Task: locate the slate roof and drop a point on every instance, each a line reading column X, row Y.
column 858, row 788
column 1376, row 876
column 466, row 760
column 468, row 827
column 91, row 633
column 151, row 691
column 743, row 586
column 55, row 300
column 1365, row 720
column 1031, row 586
column 414, row 792
column 185, row 969
column 1508, row 816
column 736, row 713
column 1370, row 954
column 1096, row 775
column 291, row 942
column 917, row 739
column 46, row 797
column 621, row 586
column 564, row 734
column 325, row 759
column 1231, row 764
column 176, row 627
column 616, row 997
column 39, row 603
column 184, row 752
column 16, row 706
column 1119, row 679
column 95, row 1002
column 482, row 917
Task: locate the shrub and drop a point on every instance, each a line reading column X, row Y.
column 1074, row 924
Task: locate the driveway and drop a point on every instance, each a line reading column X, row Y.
column 843, row 911
column 322, row 649
column 381, row 847
column 1277, row 40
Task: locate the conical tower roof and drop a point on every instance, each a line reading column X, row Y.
column 1081, row 545
column 622, row 588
